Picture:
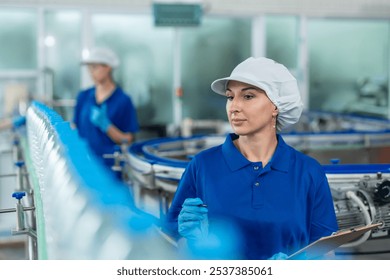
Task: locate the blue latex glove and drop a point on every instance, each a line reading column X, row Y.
column 18, row 121
column 191, row 218
column 99, row 117
column 279, row 256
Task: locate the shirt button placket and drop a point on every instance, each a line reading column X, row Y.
column 258, row 195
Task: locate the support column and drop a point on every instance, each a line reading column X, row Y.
column 258, row 36
column 177, row 89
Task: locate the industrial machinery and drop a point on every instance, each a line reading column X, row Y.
column 80, row 212
column 24, row 209
column 362, row 198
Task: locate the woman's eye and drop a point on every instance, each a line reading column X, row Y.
column 230, row 98
column 248, row 96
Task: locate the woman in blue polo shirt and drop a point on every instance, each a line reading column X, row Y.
column 104, row 115
column 277, row 199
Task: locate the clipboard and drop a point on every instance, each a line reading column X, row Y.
column 328, row 243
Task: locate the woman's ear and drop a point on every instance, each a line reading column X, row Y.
column 275, row 112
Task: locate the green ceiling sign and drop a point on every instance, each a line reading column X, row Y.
column 177, row 14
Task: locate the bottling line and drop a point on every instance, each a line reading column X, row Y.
column 79, row 210
column 70, row 207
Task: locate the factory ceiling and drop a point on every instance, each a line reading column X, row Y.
column 315, row 8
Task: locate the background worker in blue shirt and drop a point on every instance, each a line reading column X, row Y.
column 276, row 198
column 104, row 115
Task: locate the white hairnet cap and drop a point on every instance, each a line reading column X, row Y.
column 102, row 56
column 274, row 78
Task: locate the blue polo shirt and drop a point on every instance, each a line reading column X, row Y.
column 120, row 111
column 279, row 208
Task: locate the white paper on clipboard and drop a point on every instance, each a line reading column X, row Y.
column 328, row 243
